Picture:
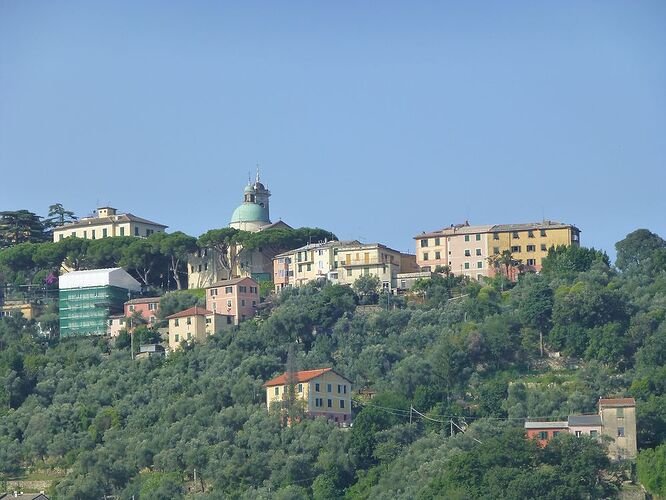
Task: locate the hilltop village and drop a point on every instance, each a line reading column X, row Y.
column 486, row 321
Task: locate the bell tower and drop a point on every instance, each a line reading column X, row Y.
column 261, row 194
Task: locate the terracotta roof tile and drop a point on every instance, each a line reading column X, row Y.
column 302, row 376
column 192, row 311
column 617, row 402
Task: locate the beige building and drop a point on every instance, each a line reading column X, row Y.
column 373, row 259
column 324, row 392
column 195, row 323
column 316, row 261
column 13, row 308
column 618, row 418
column 469, row 250
column 107, row 223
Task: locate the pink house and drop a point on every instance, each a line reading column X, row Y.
column 237, row 297
column 147, row 306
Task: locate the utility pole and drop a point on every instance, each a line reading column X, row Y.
column 410, row 414
column 451, row 420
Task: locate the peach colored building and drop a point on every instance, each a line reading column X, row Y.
column 544, row 431
column 373, row 259
column 325, row 393
column 195, row 323
column 468, row 250
column 237, row 297
column 148, row 307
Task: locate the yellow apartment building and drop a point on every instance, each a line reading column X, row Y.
column 372, row 259
column 466, row 249
column 325, row 393
column 29, row 311
column 195, row 323
column 308, row 263
column 107, row 223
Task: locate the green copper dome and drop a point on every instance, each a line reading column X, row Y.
column 250, row 212
column 249, row 189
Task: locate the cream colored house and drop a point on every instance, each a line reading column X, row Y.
column 325, row 393
column 373, row 259
column 195, row 323
column 618, row 418
column 308, row 263
column 107, row 223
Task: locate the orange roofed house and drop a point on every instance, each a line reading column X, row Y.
column 195, row 323
column 325, row 392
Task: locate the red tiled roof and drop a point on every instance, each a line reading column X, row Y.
column 302, row 376
column 617, row 402
column 192, row 311
column 144, row 300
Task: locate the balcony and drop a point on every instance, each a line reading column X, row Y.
column 365, row 262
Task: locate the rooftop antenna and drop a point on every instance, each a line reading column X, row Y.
column 249, row 177
column 257, row 171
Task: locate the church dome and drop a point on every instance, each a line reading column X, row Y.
column 250, row 212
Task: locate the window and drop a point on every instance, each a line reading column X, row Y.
column 175, row 322
column 342, row 403
column 543, row 435
column 242, row 289
column 466, row 265
column 424, row 243
column 300, row 387
column 438, row 255
column 213, row 292
column 555, row 433
column 478, row 251
column 495, row 250
column 176, row 338
column 131, row 308
column 530, row 234
column 208, row 321
column 228, row 289
column 339, row 389
column 531, row 248
column 593, row 434
column 93, row 235
column 317, row 387
column 189, row 320
column 152, row 306
column 329, row 388
column 349, row 272
column 468, row 253
column 189, row 335
column 74, row 233
column 242, row 302
column 467, row 237
column 104, row 233
column 578, row 434
column 436, row 242
column 515, row 248
column 136, row 231
column 199, row 270
column 344, row 389
column 425, row 256
column 515, row 235
column 61, row 236
column 479, row 265
column 620, row 432
column 542, row 232
column 366, row 271
column 319, row 402
column 478, row 237
column 85, row 234
column 229, row 303
column 620, row 412
column 277, row 391
column 495, row 236
column 329, row 403
column 122, row 231
column 543, row 247
column 531, row 262
column 254, row 303
column 229, row 320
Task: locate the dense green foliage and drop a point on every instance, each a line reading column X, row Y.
column 465, row 355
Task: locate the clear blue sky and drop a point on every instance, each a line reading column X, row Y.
column 376, row 120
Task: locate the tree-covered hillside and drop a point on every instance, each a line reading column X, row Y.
column 465, row 356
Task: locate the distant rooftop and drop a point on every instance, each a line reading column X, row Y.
column 546, row 425
column 584, row 420
column 466, row 228
column 617, row 402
